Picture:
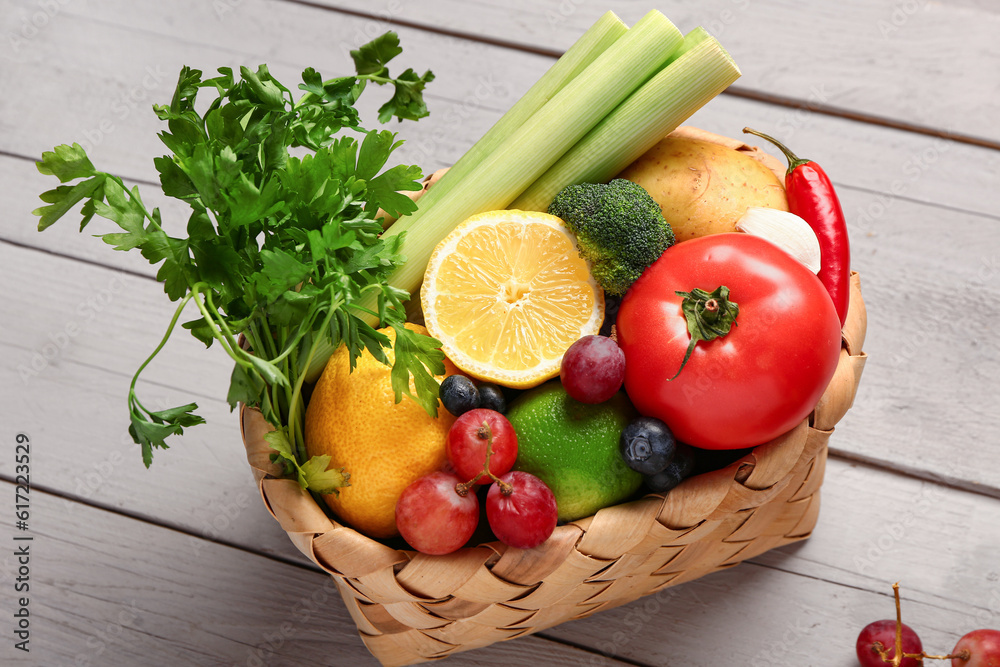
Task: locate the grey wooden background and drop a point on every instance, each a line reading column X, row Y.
column 181, row 564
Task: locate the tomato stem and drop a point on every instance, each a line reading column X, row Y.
column 709, row 315
column 711, row 310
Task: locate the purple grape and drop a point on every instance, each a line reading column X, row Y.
column 593, row 369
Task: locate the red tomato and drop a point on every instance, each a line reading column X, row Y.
column 751, row 385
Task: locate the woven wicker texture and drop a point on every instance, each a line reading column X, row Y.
column 410, row 607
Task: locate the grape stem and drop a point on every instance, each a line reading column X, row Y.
column 899, row 656
column 462, row 488
column 899, row 626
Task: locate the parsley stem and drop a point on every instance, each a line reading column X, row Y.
column 258, row 342
column 222, row 326
column 163, row 341
column 262, row 344
column 288, row 346
column 294, row 418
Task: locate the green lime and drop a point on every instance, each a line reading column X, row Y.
column 573, row 448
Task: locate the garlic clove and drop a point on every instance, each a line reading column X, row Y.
column 786, row 230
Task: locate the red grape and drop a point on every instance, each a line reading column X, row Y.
column 433, row 518
column 983, row 647
column 593, row 369
column 526, row 516
column 885, row 632
column 467, row 443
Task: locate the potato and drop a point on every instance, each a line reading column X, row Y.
column 704, row 187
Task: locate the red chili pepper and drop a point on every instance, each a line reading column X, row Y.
column 811, row 197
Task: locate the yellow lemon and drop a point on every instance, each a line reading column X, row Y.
column 353, row 417
column 506, row 292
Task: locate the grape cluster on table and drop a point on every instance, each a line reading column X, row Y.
column 876, row 647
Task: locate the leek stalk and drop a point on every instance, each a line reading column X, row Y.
column 605, row 31
column 702, row 71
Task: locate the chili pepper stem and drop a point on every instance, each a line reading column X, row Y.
column 793, row 160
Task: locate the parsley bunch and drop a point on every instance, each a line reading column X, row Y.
column 279, row 249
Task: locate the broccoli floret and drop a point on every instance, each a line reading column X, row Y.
column 619, row 228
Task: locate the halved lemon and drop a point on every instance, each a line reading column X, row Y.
column 506, row 292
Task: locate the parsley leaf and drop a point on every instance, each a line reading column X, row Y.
column 416, row 354
column 314, row 473
column 63, row 198
column 373, row 57
column 407, row 100
column 67, row 163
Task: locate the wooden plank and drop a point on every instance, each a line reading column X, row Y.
column 70, row 349
column 755, row 616
column 470, row 92
column 66, row 370
column 948, row 175
column 877, row 528
column 923, row 219
column 106, row 589
column 857, row 57
column 928, row 380
column 145, row 46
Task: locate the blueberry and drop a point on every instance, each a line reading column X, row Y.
column 491, row 397
column 647, row 445
column 459, row 394
column 675, row 472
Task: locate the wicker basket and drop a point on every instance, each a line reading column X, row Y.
column 410, row 607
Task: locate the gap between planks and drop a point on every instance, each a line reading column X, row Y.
column 911, row 472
